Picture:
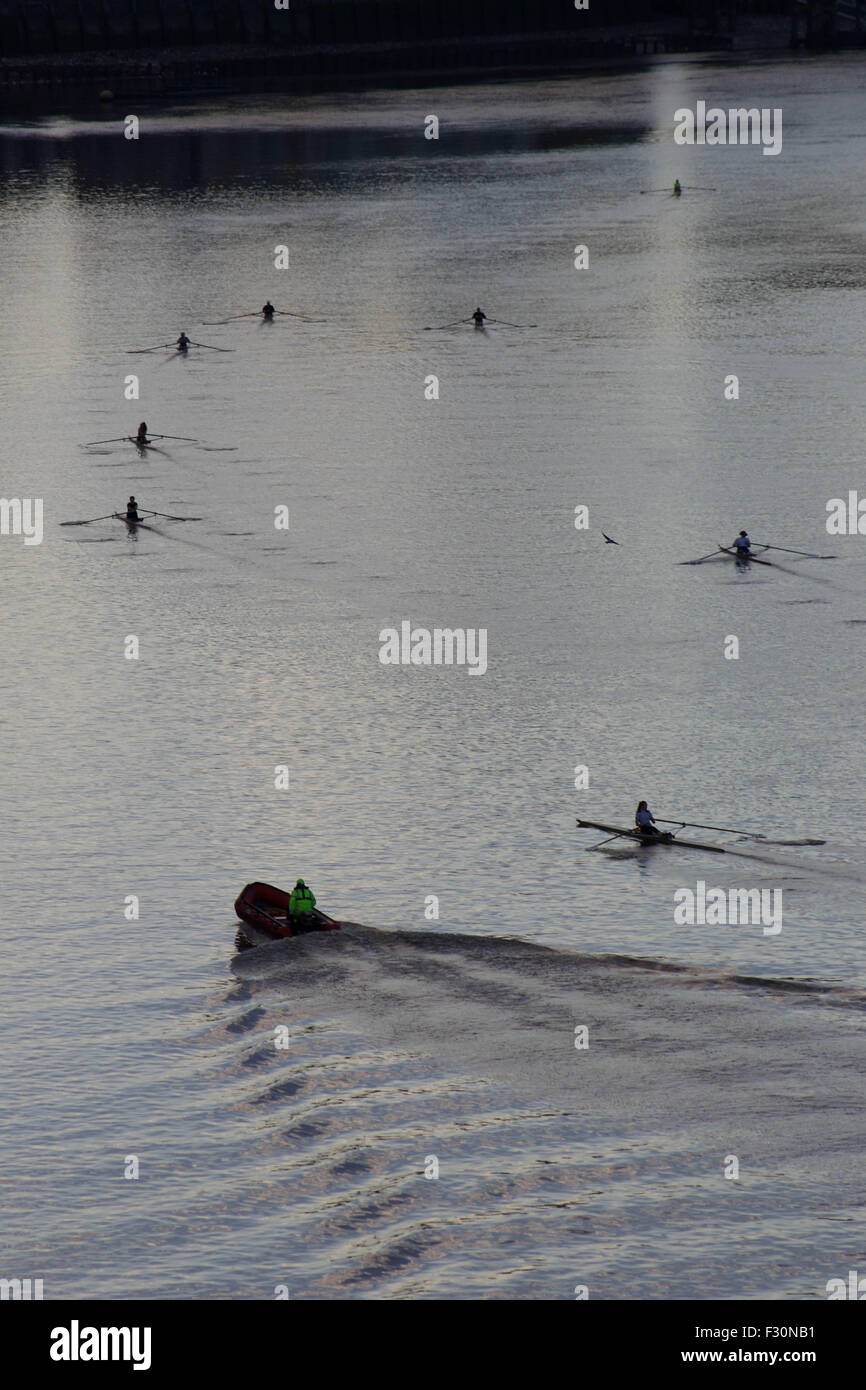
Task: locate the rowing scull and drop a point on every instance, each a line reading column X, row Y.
column 665, row 838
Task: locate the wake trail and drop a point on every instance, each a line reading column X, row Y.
column 810, row 866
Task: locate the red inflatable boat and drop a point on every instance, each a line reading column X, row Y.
column 266, row 908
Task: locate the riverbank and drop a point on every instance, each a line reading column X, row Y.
column 220, row 67
column 191, row 69
column 43, row 80
column 156, row 53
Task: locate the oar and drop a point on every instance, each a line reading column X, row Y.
column 697, row 825
column 437, row 328
column 699, row 188
column 513, row 325
column 107, row 517
column 713, row 555
column 120, row 439
column 159, row 346
column 148, row 512
column 290, row 313
column 655, row 190
column 215, row 323
column 807, row 554
column 621, row 834
column 211, row 346
column 185, row 437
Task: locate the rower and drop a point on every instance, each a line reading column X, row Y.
column 743, row 546
column 183, row 343
column 678, row 188
column 132, row 510
column 478, row 318
column 141, row 437
column 301, row 904
column 643, row 819
column 268, row 310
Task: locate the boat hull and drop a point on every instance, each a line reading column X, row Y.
column 744, row 559
column 265, row 909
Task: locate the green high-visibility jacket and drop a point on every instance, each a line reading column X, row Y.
column 302, row 900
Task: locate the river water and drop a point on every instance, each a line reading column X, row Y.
column 285, row 1105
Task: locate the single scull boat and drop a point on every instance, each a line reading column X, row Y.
column 664, row 838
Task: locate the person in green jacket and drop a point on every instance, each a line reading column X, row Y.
column 301, row 905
